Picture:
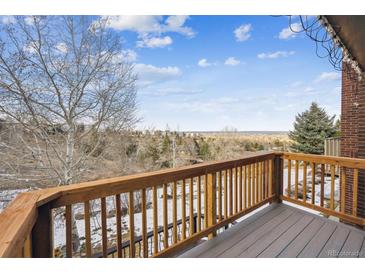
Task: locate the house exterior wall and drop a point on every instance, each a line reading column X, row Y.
column 353, row 133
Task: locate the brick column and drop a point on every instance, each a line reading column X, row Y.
column 353, row 132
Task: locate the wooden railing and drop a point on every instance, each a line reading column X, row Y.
column 173, row 208
column 306, row 175
column 218, row 193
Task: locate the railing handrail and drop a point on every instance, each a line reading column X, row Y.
column 16, row 223
column 327, row 160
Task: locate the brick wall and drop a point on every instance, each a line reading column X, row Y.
column 353, row 133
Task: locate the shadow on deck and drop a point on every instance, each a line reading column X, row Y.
column 281, row 230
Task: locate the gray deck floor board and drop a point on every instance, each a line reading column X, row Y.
column 281, row 230
column 265, row 241
column 279, row 244
column 298, row 244
column 250, row 239
column 215, row 247
column 335, row 243
column 352, row 245
column 362, row 250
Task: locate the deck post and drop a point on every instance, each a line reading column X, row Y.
column 212, row 201
column 42, row 233
column 277, row 176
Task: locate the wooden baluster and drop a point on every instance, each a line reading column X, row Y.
column 174, row 213
column 265, row 180
column 313, row 168
column 343, row 189
column 240, row 184
column 205, row 202
column 212, row 210
column 183, row 208
column 118, row 215
column 304, row 189
column 235, row 189
column 27, row 249
column 289, row 178
column 199, row 205
column 230, row 192
column 261, row 180
column 244, row 187
column 257, row 181
column 132, row 250
column 225, row 194
column 253, row 174
column 165, row 217
column 332, row 201
column 104, row 234
column 144, row 224
column 259, row 199
column 191, row 207
column 271, row 163
column 296, row 179
column 69, row 220
column 322, row 184
column 155, row 220
column 249, row 183
column 355, row 188
column 220, row 196
column 87, row 229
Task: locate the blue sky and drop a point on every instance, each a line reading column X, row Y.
column 202, row 75
column 209, row 72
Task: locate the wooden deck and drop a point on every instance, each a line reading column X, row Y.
column 281, row 230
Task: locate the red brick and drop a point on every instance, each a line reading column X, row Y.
column 353, row 133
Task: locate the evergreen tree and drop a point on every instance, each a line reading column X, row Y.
column 310, row 129
column 338, row 127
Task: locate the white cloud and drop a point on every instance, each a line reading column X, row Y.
column 61, row 47
column 151, row 24
column 290, row 32
column 231, row 61
column 175, row 23
column 328, row 76
column 274, row 55
column 242, row 33
column 177, row 91
column 137, row 23
column 214, row 105
column 30, row 48
column 8, row 20
column 126, row 55
column 204, row 63
column 149, row 74
column 29, row 20
column 129, row 55
column 154, row 42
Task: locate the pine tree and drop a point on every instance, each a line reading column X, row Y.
column 310, row 129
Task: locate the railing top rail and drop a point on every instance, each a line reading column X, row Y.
column 324, row 159
column 16, row 222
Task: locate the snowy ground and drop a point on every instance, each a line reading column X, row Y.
column 6, row 196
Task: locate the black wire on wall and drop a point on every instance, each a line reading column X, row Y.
column 327, row 42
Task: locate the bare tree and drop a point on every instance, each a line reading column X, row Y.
column 58, row 73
